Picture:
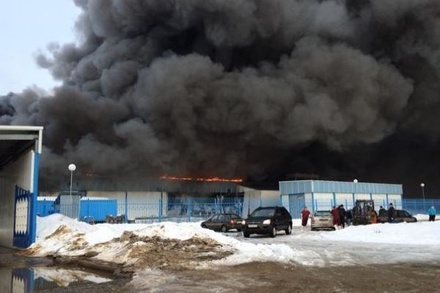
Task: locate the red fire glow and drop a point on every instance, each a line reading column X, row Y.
column 211, row 179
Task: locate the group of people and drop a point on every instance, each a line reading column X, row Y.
column 341, row 217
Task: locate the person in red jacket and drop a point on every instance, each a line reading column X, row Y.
column 305, row 213
column 336, row 217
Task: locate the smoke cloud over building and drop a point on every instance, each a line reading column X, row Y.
column 257, row 89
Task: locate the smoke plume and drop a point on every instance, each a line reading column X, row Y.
column 257, row 89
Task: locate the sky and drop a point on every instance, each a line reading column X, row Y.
column 26, row 28
column 58, row 235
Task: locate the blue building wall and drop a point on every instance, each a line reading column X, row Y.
column 323, row 195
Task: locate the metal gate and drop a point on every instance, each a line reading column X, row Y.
column 22, row 218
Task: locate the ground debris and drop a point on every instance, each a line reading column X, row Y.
column 166, row 253
column 140, row 252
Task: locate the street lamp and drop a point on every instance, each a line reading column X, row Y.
column 72, row 168
column 354, row 194
column 422, row 185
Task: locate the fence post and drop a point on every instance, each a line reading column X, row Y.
column 189, row 209
column 126, row 207
column 160, row 207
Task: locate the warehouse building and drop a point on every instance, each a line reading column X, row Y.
column 323, row 195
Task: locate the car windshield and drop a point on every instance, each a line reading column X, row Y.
column 322, row 214
column 263, row 213
column 406, row 214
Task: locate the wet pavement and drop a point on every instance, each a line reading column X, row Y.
column 20, row 274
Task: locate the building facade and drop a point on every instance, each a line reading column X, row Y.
column 323, row 195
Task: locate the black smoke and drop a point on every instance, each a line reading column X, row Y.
column 258, row 89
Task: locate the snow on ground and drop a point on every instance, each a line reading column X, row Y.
column 150, row 247
column 70, row 237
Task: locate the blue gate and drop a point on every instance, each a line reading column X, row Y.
column 22, row 218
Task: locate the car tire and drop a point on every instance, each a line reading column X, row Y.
column 246, row 235
column 203, row 226
column 224, row 229
column 273, row 232
column 289, row 230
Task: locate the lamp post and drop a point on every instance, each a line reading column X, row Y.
column 72, row 168
column 355, row 181
column 354, row 194
column 422, row 185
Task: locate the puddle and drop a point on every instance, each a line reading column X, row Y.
column 20, row 274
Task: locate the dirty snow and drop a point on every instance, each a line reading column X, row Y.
column 155, row 246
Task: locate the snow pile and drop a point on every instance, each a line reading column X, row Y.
column 177, row 245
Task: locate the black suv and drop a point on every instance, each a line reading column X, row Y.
column 267, row 220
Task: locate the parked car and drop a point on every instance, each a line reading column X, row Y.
column 321, row 220
column 267, row 221
column 400, row 216
column 223, row 222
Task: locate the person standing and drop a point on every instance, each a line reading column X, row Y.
column 381, row 211
column 432, row 212
column 372, row 215
column 348, row 217
column 342, row 215
column 391, row 213
column 336, row 217
column 305, row 213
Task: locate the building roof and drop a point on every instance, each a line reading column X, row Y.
column 15, row 140
column 306, row 186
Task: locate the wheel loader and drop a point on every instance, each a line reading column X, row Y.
column 360, row 212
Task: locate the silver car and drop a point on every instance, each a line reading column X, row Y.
column 322, row 220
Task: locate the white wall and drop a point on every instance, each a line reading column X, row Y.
column 321, row 201
column 255, row 198
column 270, row 197
column 396, row 199
column 19, row 173
column 380, row 200
column 251, row 201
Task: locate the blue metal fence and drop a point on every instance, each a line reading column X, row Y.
column 45, row 207
column 188, row 210
column 420, row 206
column 197, row 209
